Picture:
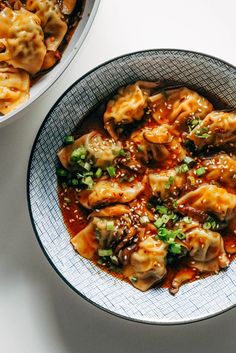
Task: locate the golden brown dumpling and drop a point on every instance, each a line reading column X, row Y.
column 23, row 39
column 221, row 168
column 14, row 87
column 51, row 21
column 166, row 183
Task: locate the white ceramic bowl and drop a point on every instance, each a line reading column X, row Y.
column 48, row 79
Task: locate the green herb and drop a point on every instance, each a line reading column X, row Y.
column 202, row 133
column 175, row 248
column 87, row 166
column 189, row 161
column 122, row 153
column 134, row 279
column 61, row 172
column 114, row 260
column 111, row 171
column 169, row 182
column 88, row 181
column 68, row 140
column 200, row 171
column 105, row 252
column 110, row 225
column 183, row 168
column 175, row 204
column 158, row 223
column 161, row 209
column 75, row 182
column 144, row 220
column 193, row 122
column 78, row 154
column 187, row 220
column 98, row 173
column 64, row 185
column 210, row 223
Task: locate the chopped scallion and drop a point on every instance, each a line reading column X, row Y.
column 187, row 220
column 111, row 171
column 121, row 153
column 175, row 248
column 134, row 279
column 98, row 173
column 110, row 225
column 68, row 140
column 61, row 172
column 200, row 171
column 183, row 168
column 105, row 252
column 75, row 182
column 169, row 182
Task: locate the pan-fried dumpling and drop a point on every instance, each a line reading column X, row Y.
column 110, row 191
column 221, row 168
column 217, row 129
column 210, row 199
column 97, row 149
column 166, row 183
column 103, row 229
column 177, row 105
column 149, row 263
column 14, row 87
column 22, row 37
column 125, row 108
column 51, row 21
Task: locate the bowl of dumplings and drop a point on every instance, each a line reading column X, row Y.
column 132, row 186
column 38, row 39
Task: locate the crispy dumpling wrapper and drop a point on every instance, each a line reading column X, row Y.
column 22, row 37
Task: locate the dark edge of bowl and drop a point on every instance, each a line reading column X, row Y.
column 140, row 321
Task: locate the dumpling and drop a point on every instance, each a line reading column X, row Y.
column 51, row 21
column 103, row 229
column 101, row 151
column 210, row 199
column 149, row 263
column 177, row 105
column 166, row 183
column 220, row 168
column 14, row 87
column 111, row 191
column 156, row 144
column 22, row 37
column 217, row 129
column 125, row 108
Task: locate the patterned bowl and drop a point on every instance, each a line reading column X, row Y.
column 198, row 300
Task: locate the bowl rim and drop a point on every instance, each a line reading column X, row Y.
column 136, row 320
column 15, row 114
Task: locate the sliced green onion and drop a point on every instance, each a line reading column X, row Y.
column 189, row 161
column 169, row 182
column 202, row 133
column 105, row 252
column 98, row 173
column 200, row 171
column 110, row 225
column 68, row 140
column 161, row 209
column 206, row 225
column 61, row 172
column 78, row 154
column 114, row 260
column 140, row 149
column 75, row 182
column 123, row 178
column 134, row 279
column 183, row 168
column 88, row 181
column 87, row 166
column 187, row 220
column 175, row 248
column 111, row 171
column 158, row 223
column 144, row 220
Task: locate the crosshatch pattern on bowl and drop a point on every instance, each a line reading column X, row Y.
column 194, row 301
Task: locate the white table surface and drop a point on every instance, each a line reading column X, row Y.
column 38, row 312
